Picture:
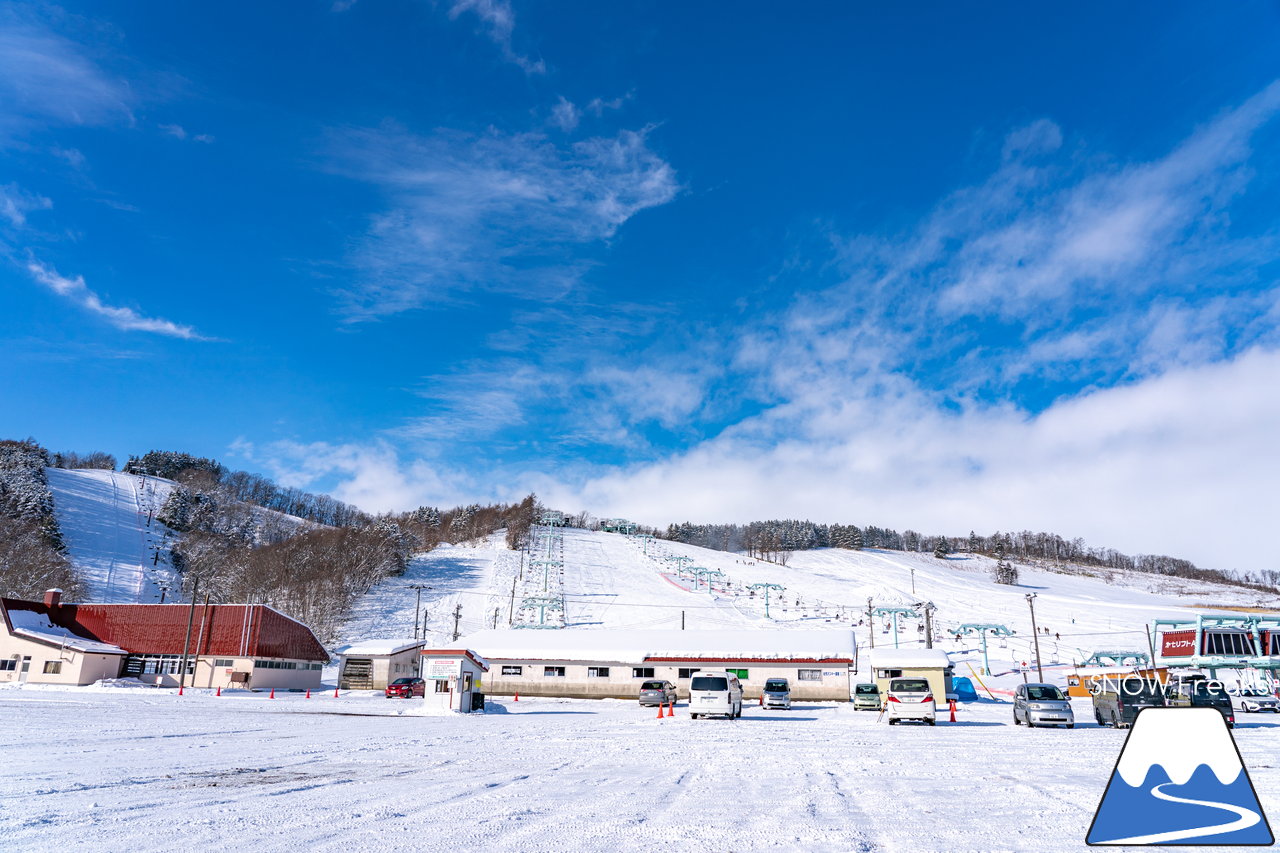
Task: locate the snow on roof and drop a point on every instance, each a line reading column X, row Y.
column 909, row 658
column 36, row 626
column 604, row 644
column 378, row 647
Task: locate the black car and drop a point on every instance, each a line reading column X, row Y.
column 1203, row 694
column 1116, row 702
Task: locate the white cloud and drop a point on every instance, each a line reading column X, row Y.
column 126, row 319
column 370, row 476
column 499, row 21
column 15, row 204
column 597, row 106
column 505, row 212
column 565, row 115
column 47, row 78
column 1183, row 464
column 177, row 131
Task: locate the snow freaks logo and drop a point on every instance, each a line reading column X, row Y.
column 1180, row 780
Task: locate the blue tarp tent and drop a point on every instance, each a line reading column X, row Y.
column 963, row 688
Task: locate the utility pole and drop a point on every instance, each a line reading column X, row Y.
column 496, row 611
column 511, row 611
column 871, row 625
column 681, row 620
column 1031, row 602
column 457, row 617
column 417, row 608
column 928, row 624
column 913, row 585
column 186, row 644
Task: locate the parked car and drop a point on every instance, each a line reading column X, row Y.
column 777, row 693
column 1116, row 702
column 657, row 693
column 1042, row 705
column 406, row 688
column 866, row 697
column 1203, row 693
column 910, row 699
column 715, row 694
column 1253, row 701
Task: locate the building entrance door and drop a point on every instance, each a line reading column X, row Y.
column 24, row 668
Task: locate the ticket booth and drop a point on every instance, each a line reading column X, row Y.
column 454, row 680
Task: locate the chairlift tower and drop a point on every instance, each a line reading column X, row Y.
column 1117, row 658
column 699, row 573
column 894, row 612
column 983, row 631
column 646, row 538
column 546, row 571
column 767, row 587
column 542, row 603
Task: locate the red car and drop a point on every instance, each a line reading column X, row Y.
column 406, row 688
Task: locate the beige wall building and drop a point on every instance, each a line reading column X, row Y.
column 373, row 664
column 608, row 663
column 930, row 664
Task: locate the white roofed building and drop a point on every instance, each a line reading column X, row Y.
column 373, row 664
column 930, row 664
column 604, row 663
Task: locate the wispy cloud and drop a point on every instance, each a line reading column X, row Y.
column 45, row 78
column 505, row 212
column 177, row 131
column 75, row 290
column 499, row 21
column 15, row 204
column 565, row 115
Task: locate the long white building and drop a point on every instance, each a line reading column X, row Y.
column 603, row 663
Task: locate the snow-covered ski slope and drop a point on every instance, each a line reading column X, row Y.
column 103, row 516
column 610, row 582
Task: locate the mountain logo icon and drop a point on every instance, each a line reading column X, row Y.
column 1180, row 781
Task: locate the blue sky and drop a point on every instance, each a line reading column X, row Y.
column 929, row 267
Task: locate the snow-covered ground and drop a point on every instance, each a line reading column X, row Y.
column 107, row 521
column 156, row 771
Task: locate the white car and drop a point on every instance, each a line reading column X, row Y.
column 716, row 694
column 776, row 694
column 910, row 699
column 1254, row 701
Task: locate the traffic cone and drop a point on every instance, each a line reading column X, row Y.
column 517, row 699
column 179, row 689
column 335, row 693
column 219, row 693
column 273, row 693
column 660, row 714
column 308, row 693
column 762, row 699
column 953, row 710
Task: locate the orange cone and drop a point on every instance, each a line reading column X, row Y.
column 273, row 693
column 762, row 699
column 179, row 689
column 517, row 699
column 953, row 710
column 335, row 693
column 219, row 693
column 660, row 714
column 308, row 693
column 671, row 709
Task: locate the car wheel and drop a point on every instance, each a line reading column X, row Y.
column 892, row 721
column 1097, row 715
column 693, row 716
column 1016, row 721
column 1071, row 725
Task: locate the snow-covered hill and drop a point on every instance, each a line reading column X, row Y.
column 610, row 581
column 108, row 523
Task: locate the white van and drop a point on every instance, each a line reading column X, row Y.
column 910, row 699
column 715, row 693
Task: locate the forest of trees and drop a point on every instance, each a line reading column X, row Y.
column 32, row 557
column 776, row 540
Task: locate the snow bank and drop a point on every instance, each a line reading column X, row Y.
column 377, row 647
column 909, row 658
column 636, row 645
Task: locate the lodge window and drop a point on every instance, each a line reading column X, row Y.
column 888, row 673
column 223, row 662
column 740, row 673
column 442, row 685
column 642, row 672
column 135, row 665
column 8, row 665
column 277, row 664
column 808, row 675
column 513, row 670
column 553, row 672
column 597, row 672
column 52, row 667
column 687, row 672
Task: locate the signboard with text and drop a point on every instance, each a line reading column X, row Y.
column 443, row 668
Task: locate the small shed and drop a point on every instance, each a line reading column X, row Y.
column 454, row 680
column 930, row 664
column 373, row 664
column 1080, row 683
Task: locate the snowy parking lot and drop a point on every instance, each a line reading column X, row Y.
column 142, row 769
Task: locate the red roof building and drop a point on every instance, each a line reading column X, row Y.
column 256, row 641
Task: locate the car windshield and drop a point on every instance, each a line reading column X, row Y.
column 868, row 689
column 1140, row 688
column 705, row 682
column 403, row 681
column 1203, row 688
column 652, row 685
column 1044, row 693
column 909, row 685
column 775, row 686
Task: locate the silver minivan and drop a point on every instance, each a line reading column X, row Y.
column 715, row 694
column 1042, row 705
column 776, row 694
